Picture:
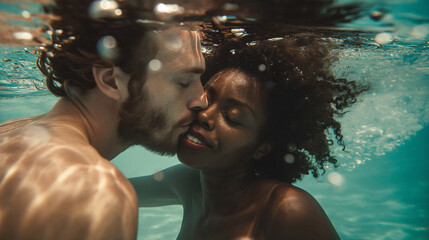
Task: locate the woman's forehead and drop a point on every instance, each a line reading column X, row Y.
column 234, row 83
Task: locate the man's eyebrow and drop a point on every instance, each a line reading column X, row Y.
column 196, row 70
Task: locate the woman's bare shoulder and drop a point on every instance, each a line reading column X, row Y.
column 293, row 213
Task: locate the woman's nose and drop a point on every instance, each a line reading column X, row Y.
column 205, row 118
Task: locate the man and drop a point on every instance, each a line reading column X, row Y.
column 56, row 181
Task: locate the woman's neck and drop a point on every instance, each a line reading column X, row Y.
column 225, row 193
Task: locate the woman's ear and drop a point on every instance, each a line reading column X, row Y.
column 262, row 151
column 111, row 81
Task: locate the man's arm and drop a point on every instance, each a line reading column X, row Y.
column 167, row 187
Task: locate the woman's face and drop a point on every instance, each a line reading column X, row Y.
column 226, row 135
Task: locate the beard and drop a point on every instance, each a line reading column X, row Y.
column 142, row 124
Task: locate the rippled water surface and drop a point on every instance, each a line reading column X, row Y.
column 381, row 190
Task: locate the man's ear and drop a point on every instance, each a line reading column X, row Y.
column 262, row 151
column 111, row 81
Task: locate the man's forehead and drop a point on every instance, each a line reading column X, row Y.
column 180, row 49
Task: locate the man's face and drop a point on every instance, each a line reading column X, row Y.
column 171, row 93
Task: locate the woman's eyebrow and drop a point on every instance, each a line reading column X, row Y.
column 241, row 104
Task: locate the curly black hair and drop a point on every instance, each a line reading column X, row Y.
column 75, row 32
column 303, row 100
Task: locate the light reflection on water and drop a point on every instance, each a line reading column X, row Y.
column 385, row 198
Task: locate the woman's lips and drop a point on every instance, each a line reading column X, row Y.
column 195, row 141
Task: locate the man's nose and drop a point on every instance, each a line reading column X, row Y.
column 198, row 101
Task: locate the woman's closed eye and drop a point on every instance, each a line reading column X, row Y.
column 233, row 116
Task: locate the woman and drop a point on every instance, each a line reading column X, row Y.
column 270, row 108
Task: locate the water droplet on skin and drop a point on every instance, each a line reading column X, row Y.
column 25, row 36
column 155, row 65
column 289, row 158
column 262, row 68
column 335, row 179
column 383, row 38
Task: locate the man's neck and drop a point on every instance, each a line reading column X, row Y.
column 95, row 119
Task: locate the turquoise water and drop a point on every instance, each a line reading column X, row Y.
column 384, row 187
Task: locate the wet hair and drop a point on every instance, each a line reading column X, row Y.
column 72, row 53
column 303, row 99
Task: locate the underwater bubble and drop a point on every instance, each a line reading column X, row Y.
column 262, row 67
column 25, row 36
column 118, row 12
column 275, row 39
column 230, row 6
column 107, row 47
column 289, row 158
column 239, row 31
column 384, row 38
column 50, row 54
column 26, row 14
column 104, row 8
column 58, row 31
column 167, row 11
column 335, row 179
column 420, row 31
column 232, row 51
column 376, row 15
column 49, row 32
column 159, row 176
column 222, row 18
column 205, row 49
column 155, row 65
column 56, row 46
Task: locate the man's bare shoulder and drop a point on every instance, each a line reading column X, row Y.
column 40, row 142
column 52, row 182
column 13, row 124
column 295, row 214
